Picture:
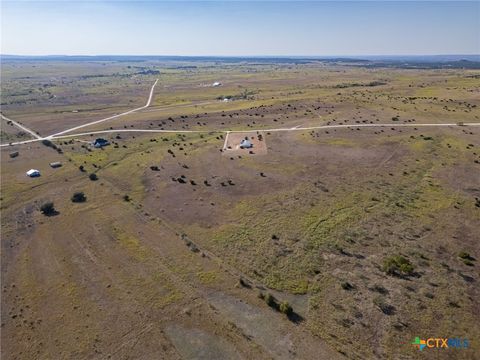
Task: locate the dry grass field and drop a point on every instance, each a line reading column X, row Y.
column 185, row 249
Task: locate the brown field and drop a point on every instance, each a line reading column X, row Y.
column 180, row 242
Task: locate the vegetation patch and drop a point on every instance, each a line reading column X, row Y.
column 207, row 277
column 397, row 265
column 48, row 209
column 132, row 245
column 466, row 258
column 78, row 197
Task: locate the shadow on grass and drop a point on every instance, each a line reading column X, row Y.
column 295, row 318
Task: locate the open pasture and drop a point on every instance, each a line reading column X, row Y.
column 370, row 234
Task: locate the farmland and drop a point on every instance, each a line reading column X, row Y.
column 352, row 206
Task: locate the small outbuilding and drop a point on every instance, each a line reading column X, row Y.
column 56, row 164
column 216, row 83
column 246, row 144
column 33, row 173
column 98, row 143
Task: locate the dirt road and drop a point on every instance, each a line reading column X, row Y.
column 321, row 127
column 150, row 96
column 31, row 132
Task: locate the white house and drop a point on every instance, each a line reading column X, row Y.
column 33, row 173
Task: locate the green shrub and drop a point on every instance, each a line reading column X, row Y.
column 48, row 209
column 48, row 143
column 244, row 283
column 397, row 265
column 387, row 309
column 270, row 300
column 380, row 289
column 285, row 308
column 429, row 295
column 93, row 177
column 465, row 255
column 466, row 258
column 78, row 197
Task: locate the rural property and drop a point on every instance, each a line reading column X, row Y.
column 238, row 208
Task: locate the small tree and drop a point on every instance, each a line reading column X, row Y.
column 78, row 197
column 93, row 177
column 465, row 255
column 286, row 308
column 48, row 209
column 347, row 286
column 467, row 258
column 47, row 143
column 397, row 265
column 270, row 300
column 387, row 309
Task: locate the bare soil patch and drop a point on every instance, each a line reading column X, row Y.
column 233, row 144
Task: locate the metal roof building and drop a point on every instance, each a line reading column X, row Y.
column 246, row 144
column 33, row 173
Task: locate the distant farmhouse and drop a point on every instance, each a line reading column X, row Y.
column 98, row 143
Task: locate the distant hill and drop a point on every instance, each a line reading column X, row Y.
column 397, row 61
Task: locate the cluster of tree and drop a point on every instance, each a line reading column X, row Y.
column 50, row 144
column 284, row 307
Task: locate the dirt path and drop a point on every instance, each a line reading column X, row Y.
column 321, row 127
column 31, row 132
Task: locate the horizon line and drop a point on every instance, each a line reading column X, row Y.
column 246, row 56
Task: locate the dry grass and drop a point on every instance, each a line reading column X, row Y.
column 312, row 221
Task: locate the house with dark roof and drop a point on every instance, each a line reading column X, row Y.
column 98, row 143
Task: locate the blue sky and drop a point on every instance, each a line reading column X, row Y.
column 240, row 28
